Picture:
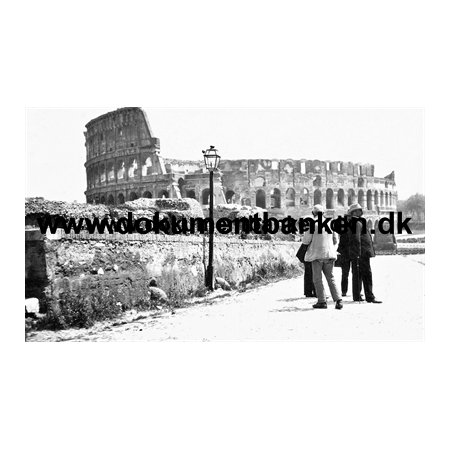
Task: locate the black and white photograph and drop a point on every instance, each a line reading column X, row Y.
column 235, row 225
column 153, row 268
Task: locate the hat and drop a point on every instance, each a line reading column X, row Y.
column 354, row 207
column 318, row 209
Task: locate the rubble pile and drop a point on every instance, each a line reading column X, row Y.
column 39, row 207
column 235, row 211
column 36, row 208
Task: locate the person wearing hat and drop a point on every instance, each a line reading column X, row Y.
column 360, row 251
column 322, row 254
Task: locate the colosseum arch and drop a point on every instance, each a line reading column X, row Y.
column 132, row 168
column 330, row 199
column 376, row 198
column 102, row 172
column 205, row 197
column 290, row 197
column 190, row 193
column 275, row 198
column 133, row 196
column 361, row 197
column 164, row 194
column 304, row 197
column 94, row 148
column 317, row 181
column 88, row 176
column 261, row 198
column 360, row 182
column 121, row 171
column 110, row 174
column 120, row 199
column 351, row 197
column 317, row 197
column 110, row 199
column 181, row 184
column 103, row 200
column 93, row 175
column 147, row 194
column 146, row 166
column 230, row 196
column 259, row 182
column 341, row 197
column 96, row 176
column 369, row 200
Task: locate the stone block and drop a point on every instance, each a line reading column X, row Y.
column 32, row 305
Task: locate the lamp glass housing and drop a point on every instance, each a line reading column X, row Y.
column 212, row 159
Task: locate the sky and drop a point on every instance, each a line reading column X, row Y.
column 391, row 139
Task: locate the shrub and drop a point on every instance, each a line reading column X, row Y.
column 81, row 312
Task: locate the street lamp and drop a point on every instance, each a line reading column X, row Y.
column 212, row 160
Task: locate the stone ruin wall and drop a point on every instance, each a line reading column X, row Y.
column 75, row 266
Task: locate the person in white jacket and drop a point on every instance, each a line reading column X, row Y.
column 322, row 254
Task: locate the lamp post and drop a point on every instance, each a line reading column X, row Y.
column 212, row 160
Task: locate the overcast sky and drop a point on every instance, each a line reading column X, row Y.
column 391, row 139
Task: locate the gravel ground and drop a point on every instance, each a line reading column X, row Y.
column 279, row 311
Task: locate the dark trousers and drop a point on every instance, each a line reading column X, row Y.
column 309, row 289
column 362, row 276
column 345, row 266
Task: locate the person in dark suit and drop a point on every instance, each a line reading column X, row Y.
column 344, row 257
column 360, row 251
column 308, row 285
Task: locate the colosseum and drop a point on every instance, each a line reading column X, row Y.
column 123, row 162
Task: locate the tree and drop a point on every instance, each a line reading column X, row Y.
column 414, row 206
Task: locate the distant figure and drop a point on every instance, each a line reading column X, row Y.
column 322, row 254
column 360, row 251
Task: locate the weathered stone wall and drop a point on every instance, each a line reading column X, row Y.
column 124, row 163
column 119, row 267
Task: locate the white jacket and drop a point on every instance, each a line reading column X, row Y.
column 321, row 246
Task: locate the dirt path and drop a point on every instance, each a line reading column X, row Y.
column 279, row 311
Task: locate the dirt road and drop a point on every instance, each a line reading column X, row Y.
column 279, row 311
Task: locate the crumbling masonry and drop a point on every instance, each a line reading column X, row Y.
column 123, row 163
